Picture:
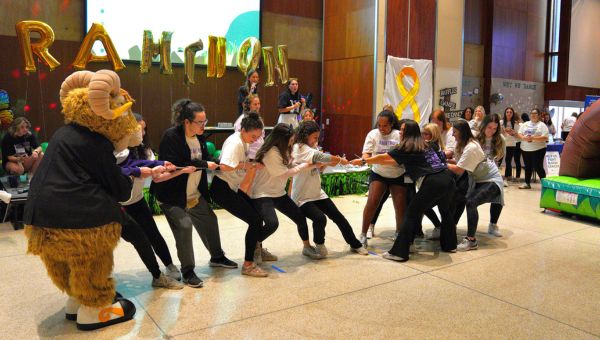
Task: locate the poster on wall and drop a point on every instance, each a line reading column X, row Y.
column 409, row 88
column 589, row 100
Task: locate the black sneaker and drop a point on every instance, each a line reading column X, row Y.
column 223, row 262
column 192, row 280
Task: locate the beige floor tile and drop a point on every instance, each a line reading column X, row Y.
column 588, row 235
column 420, row 307
column 229, row 296
column 12, row 242
column 557, row 278
column 33, row 307
column 544, row 263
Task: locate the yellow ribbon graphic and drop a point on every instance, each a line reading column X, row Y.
column 408, row 96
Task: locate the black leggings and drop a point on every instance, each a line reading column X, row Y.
column 240, row 206
column 266, row 209
column 384, row 198
column 134, row 234
column 534, row 160
column 140, row 212
column 318, row 211
column 437, row 189
column 483, row 193
column 512, row 152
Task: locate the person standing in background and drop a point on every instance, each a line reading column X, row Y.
column 290, row 104
column 510, row 128
column 250, row 87
column 567, row 125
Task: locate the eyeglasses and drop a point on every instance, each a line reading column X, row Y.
column 200, row 122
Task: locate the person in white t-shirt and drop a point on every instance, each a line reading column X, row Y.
column 467, row 114
column 475, row 123
column 510, row 128
column 439, row 118
column 567, row 125
column 534, row 136
column 384, row 176
column 485, row 181
column 494, row 147
column 268, row 189
column 308, row 195
column 250, row 103
column 231, row 184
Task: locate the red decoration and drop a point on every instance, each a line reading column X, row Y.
column 37, row 129
column 52, row 106
column 15, row 73
column 26, row 108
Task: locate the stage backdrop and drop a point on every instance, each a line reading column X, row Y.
column 409, row 88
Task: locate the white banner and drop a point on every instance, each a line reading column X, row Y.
column 409, row 88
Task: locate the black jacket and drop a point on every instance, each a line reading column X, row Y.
column 174, row 148
column 78, row 183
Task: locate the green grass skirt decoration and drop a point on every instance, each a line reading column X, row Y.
column 334, row 184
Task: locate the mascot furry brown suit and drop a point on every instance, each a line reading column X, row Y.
column 72, row 215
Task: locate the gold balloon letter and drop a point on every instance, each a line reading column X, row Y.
column 150, row 49
column 242, row 58
column 282, row 62
column 97, row 32
column 271, row 64
column 216, row 57
column 189, row 61
column 40, row 47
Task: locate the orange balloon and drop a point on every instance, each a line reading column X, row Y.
column 40, row 47
column 85, row 55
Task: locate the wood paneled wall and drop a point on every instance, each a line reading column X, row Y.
column 154, row 92
column 348, row 57
column 414, row 39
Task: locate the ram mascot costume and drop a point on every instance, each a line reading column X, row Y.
column 72, row 217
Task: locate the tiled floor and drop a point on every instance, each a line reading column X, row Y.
column 541, row 280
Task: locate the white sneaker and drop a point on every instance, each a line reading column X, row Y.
column 389, row 256
column 360, row 250
column 435, row 234
column 467, row 245
column 493, row 230
column 363, row 239
column 168, row 282
column 312, row 253
column 321, row 249
column 371, row 232
column 173, row 272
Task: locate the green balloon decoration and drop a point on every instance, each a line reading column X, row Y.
column 44, row 146
column 211, row 148
column 217, row 154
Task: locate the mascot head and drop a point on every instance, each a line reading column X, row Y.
column 95, row 100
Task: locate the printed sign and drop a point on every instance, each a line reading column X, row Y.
column 552, row 163
column 566, row 197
